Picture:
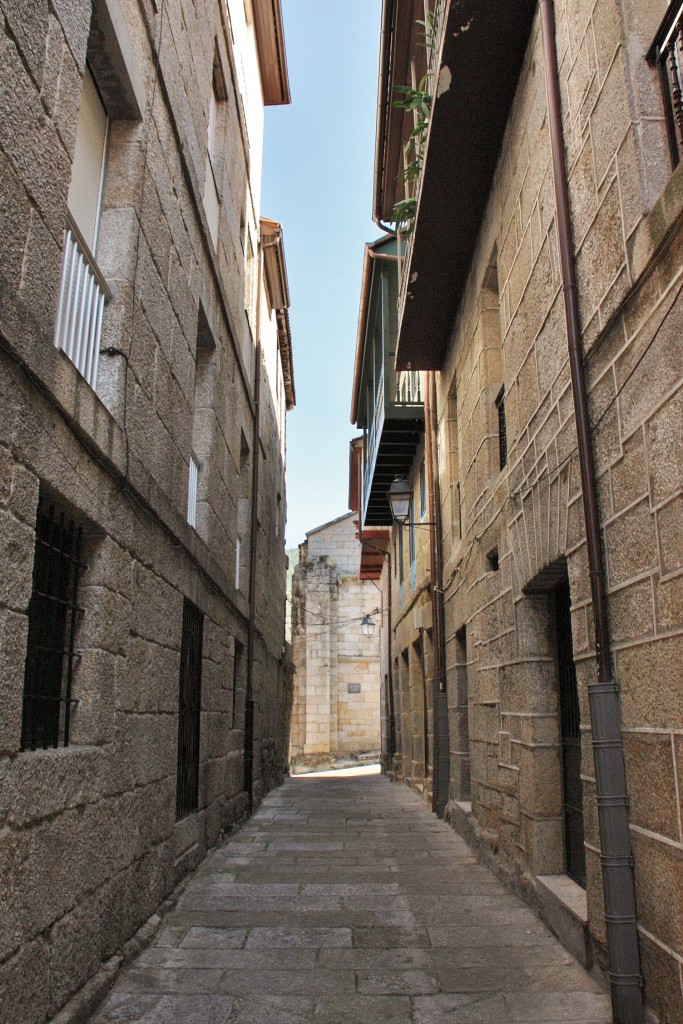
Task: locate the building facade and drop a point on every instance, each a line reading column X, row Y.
column 539, row 292
column 336, row 704
column 145, row 374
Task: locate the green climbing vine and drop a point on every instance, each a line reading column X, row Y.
column 418, row 101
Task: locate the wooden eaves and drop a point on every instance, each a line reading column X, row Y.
column 275, row 270
column 270, row 43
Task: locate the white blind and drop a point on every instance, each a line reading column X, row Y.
column 86, row 172
column 212, row 123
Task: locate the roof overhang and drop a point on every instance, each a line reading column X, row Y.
column 270, row 43
column 400, row 31
column 483, row 48
column 355, row 464
column 374, row 550
column 275, row 270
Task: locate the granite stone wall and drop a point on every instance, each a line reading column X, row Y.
column 506, row 525
column 89, row 844
column 336, row 711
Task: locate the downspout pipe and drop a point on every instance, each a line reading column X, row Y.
column 253, row 533
column 390, row 671
column 626, row 983
column 440, row 709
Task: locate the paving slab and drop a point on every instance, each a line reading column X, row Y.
column 345, row 901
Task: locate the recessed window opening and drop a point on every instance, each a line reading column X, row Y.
column 460, row 711
column 492, row 560
column 83, row 290
column 52, row 618
column 236, row 677
column 202, row 421
column 570, row 738
column 189, row 702
column 502, row 429
column 400, row 555
column 423, row 490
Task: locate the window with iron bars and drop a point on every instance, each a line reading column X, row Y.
column 52, row 617
column 189, row 704
column 666, row 54
column 502, row 429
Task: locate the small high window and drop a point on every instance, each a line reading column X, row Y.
column 52, row 617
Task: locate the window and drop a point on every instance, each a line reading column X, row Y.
column 187, row 792
column 502, row 429
column 411, row 532
column 423, row 490
column 666, row 55
column 87, row 170
column 51, row 627
column 211, row 198
column 203, row 426
column 400, row 554
column 83, row 290
column 192, row 484
column 236, row 676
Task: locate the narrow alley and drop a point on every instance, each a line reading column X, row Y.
column 344, row 901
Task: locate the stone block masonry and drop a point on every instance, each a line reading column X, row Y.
column 91, row 836
column 336, row 711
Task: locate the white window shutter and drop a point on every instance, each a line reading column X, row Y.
column 85, row 190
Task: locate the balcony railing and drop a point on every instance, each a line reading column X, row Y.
column 374, row 434
column 666, row 53
column 83, row 293
column 409, row 388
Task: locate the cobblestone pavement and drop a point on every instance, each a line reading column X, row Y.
column 344, row 901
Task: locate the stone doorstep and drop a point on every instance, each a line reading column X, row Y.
column 563, row 903
column 564, row 908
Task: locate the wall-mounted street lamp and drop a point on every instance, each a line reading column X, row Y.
column 400, row 494
column 368, row 625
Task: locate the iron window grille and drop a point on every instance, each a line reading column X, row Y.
column 666, row 54
column 189, row 698
column 52, row 616
column 502, row 429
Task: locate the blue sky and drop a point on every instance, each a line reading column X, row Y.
column 317, row 181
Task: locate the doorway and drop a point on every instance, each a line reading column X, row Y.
column 570, row 738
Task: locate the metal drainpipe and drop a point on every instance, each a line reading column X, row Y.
column 626, row 981
column 439, row 699
column 390, row 672
column 253, row 534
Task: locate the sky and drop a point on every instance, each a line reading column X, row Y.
column 317, row 181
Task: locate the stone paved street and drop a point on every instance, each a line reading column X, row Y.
column 344, row 901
